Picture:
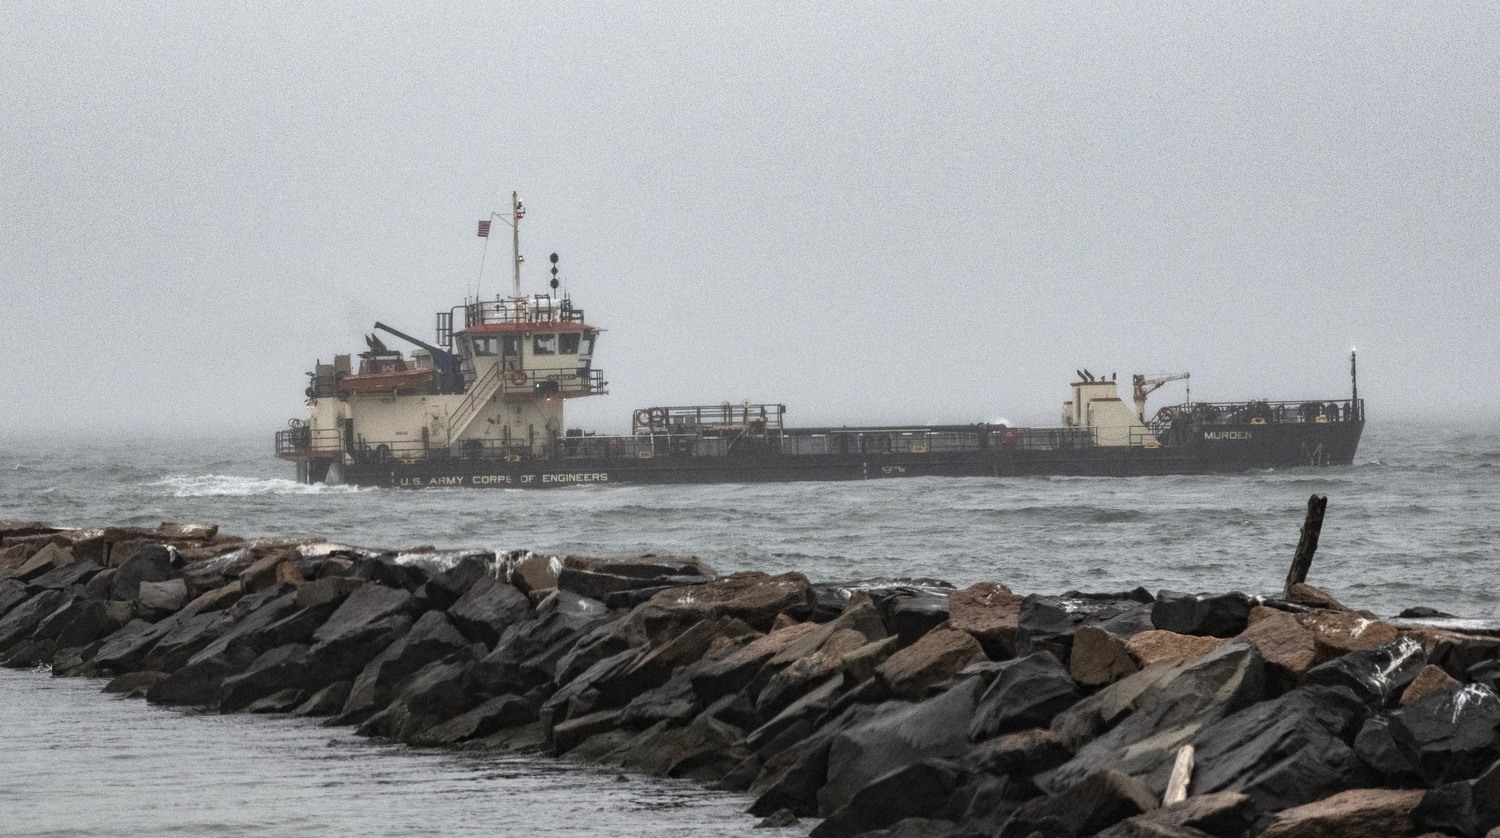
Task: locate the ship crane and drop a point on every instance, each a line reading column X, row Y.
column 1145, row 385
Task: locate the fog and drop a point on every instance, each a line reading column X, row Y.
column 870, row 213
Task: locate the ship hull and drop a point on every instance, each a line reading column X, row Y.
column 1224, row 448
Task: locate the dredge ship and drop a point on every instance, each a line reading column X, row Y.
column 483, row 406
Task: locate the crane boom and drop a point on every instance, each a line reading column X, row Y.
column 1145, row 385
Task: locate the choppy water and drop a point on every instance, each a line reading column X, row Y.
column 1416, row 521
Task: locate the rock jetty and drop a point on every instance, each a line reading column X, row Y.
column 903, row 709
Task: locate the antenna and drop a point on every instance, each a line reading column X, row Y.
column 517, row 211
column 1353, row 375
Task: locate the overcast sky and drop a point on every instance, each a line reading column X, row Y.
column 898, row 213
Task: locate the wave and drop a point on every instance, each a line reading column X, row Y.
column 227, row 485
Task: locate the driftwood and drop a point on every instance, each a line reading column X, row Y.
column 1312, row 525
column 1182, row 772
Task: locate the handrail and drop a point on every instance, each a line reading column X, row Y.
column 462, row 416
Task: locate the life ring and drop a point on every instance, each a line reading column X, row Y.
column 642, row 418
column 382, row 453
column 517, row 378
column 658, row 417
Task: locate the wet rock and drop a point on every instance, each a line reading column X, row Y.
column 276, row 670
column 1305, row 594
column 1284, row 752
column 433, row 695
column 493, row 715
column 431, row 638
column 791, row 777
column 991, row 613
column 149, row 563
column 65, row 576
column 324, row 702
column 19, row 622
column 655, row 666
column 1377, row 676
column 897, row 737
column 915, row 790
column 912, row 617
column 1285, row 643
column 732, row 673
column 383, row 569
column 1430, row 679
column 1027, row 692
column 603, row 641
column 198, row 682
column 755, row 598
column 214, row 572
column 530, row 571
column 164, row 597
column 1091, row 717
column 1099, row 657
column 448, row 586
column 1094, row 803
column 1357, row 813
column 13, row 592
column 1455, row 735
column 1171, row 712
column 1215, row 615
column 1225, row 814
column 601, row 578
column 262, row 573
column 282, row 701
column 937, row 656
column 368, row 604
column 674, row 702
column 778, row 819
column 330, row 590
column 135, row 684
column 88, row 620
column 802, row 675
column 43, row 561
column 487, row 608
column 1470, row 808
column 570, row 734
column 1158, row 645
column 1047, row 624
column 1337, row 633
column 705, row 750
column 1022, row 753
column 1394, row 762
column 528, row 653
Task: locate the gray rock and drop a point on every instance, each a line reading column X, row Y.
column 487, row 608
column 1099, row 800
column 325, row 702
column 494, row 715
column 168, row 596
column 198, row 682
column 22, row 620
column 370, row 603
column 903, row 734
column 1217, row 615
column 917, row 790
column 1025, row 693
column 431, row 638
column 150, row 563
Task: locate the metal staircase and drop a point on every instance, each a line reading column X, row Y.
column 485, row 387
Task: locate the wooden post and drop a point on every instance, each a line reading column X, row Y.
column 1312, row 525
column 1182, row 772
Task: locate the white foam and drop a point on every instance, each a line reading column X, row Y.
column 226, row 485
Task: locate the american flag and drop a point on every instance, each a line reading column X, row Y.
column 484, row 229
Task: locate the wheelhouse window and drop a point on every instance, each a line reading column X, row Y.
column 587, row 346
column 485, row 347
column 567, row 343
column 544, row 343
column 511, row 346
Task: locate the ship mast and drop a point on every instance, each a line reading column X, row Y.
column 516, row 213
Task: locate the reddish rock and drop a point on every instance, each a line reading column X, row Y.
column 1099, row 657
column 784, row 621
column 1337, row 633
column 1429, row 680
column 263, row 573
column 991, row 613
column 1158, row 645
column 937, row 656
column 1282, row 640
column 1360, row 813
column 755, row 598
column 533, row 572
column 1305, row 594
column 215, row 600
column 288, row 577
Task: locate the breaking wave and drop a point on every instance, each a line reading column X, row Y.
column 226, row 485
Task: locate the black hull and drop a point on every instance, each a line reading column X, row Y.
column 1223, row 448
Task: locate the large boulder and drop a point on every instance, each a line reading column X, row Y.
column 433, row 695
column 713, row 679
column 431, row 638
column 755, row 598
column 369, row 604
column 1027, row 692
column 1159, row 645
column 149, row 563
column 991, row 613
column 912, row 616
column 1170, row 713
column 528, row 653
column 1470, row 808
column 43, row 561
column 916, row 790
column 1097, row 801
column 1100, row 657
column 1217, row 615
column 1337, row 633
column 487, row 608
column 937, row 656
column 601, row 579
column 1284, row 752
column 20, row 621
column 1282, row 639
column 162, row 597
column 1357, row 813
column 1452, row 735
column 1225, row 814
column 902, row 734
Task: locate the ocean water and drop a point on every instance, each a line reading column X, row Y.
column 1415, row 521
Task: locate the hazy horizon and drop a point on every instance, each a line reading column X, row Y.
column 872, row 214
